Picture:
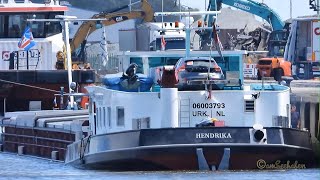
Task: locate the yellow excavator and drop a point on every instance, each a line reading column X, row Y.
column 146, row 14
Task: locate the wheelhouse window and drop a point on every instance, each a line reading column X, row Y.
column 100, row 118
column 97, row 117
column 120, row 116
column 172, row 43
column 104, row 117
column 109, row 116
column 13, row 25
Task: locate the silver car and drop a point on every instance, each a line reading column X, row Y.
column 193, row 73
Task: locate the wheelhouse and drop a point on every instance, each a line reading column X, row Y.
column 12, row 25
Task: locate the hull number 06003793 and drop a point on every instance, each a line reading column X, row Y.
column 207, row 105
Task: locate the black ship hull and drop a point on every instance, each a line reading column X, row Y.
column 205, row 148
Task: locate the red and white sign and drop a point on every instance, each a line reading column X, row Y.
column 315, row 51
column 249, row 70
column 5, row 55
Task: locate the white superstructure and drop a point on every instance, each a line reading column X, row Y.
column 240, row 105
column 118, row 111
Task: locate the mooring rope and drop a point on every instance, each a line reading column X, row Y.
column 30, row 86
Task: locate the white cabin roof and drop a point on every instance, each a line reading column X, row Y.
column 28, row 6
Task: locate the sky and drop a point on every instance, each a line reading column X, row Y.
column 282, row 7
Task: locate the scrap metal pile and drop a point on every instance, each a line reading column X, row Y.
column 251, row 41
column 231, row 39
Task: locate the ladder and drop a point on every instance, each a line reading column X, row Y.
column 184, row 113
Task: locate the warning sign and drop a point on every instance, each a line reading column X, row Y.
column 249, row 70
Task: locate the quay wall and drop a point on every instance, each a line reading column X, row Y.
column 306, row 97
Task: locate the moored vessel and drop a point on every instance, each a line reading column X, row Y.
column 33, row 68
column 238, row 126
column 230, row 126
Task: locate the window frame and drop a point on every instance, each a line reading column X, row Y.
column 120, row 120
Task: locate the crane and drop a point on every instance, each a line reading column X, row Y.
column 250, row 6
column 258, row 9
column 146, row 13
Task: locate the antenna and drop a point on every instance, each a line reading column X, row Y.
column 216, row 5
column 290, row 9
column 162, row 14
column 180, row 8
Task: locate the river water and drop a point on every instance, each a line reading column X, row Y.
column 17, row 167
